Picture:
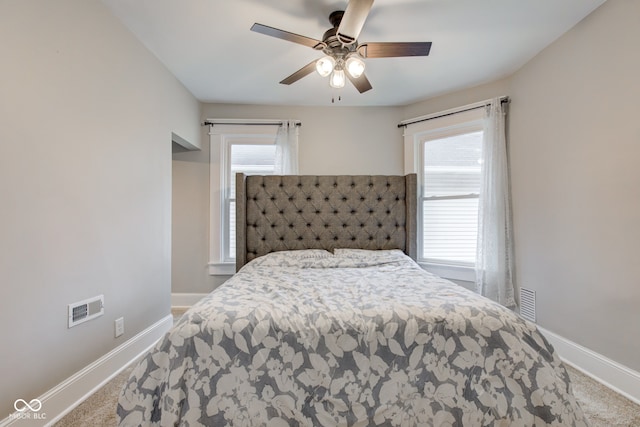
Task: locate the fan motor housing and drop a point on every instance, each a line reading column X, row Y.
column 333, row 45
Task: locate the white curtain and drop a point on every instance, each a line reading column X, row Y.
column 494, row 258
column 287, row 149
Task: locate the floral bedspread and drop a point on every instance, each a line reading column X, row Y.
column 350, row 338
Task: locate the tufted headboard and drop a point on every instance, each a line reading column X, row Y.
column 276, row 213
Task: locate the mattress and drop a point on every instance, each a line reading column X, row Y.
column 349, row 338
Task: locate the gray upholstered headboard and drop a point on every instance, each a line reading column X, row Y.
column 276, row 213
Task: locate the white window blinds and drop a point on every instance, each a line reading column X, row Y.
column 251, row 159
column 450, row 188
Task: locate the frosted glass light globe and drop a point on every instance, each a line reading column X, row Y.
column 354, row 66
column 337, row 79
column 324, row 66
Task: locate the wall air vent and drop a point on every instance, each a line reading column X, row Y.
column 80, row 312
column 528, row 304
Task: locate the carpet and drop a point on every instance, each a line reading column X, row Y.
column 602, row 406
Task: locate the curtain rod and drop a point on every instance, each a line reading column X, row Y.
column 503, row 99
column 273, row 123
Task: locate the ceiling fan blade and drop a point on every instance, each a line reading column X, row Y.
column 353, row 20
column 390, row 50
column 285, row 35
column 361, row 83
column 302, row 72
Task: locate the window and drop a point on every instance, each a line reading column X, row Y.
column 234, row 148
column 449, row 198
column 446, row 153
column 252, row 158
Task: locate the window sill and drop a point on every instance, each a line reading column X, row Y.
column 452, row 272
column 222, row 268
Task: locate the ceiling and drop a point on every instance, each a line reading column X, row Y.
column 208, row 46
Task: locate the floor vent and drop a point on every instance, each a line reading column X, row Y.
column 528, row 304
column 80, row 312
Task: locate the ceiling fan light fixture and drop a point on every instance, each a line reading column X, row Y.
column 325, row 65
column 354, row 65
column 337, row 79
column 344, row 55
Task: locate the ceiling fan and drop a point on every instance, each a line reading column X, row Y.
column 342, row 50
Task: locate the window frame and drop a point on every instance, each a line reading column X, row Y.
column 414, row 138
column 222, row 137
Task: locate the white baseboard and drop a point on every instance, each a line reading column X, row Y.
column 615, row 376
column 185, row 300
column 64, row 397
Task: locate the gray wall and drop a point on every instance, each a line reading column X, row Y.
column 575, row 146
column 190, row 223
column 86, row 116
column 334, row 140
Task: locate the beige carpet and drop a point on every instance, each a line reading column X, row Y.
column 100, row 408
column 602, row 406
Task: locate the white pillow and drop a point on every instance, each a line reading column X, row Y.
column 291, row 258
column 387, row 255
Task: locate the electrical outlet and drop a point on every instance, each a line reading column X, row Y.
column 119, row 324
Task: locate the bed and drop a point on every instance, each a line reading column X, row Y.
column 330, row 322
